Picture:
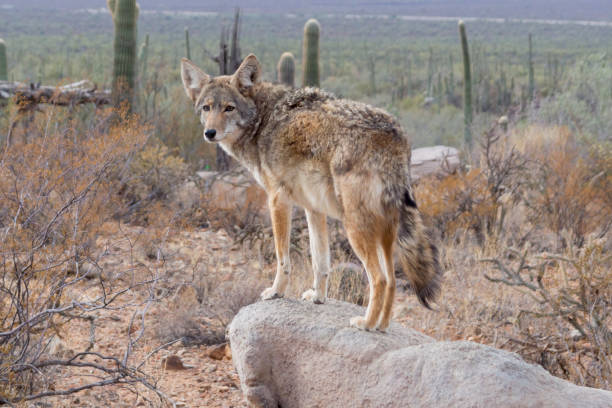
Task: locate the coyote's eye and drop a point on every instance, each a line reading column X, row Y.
column 229, row 108
column 205, row 108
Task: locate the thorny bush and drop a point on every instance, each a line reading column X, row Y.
column 572, row 293
column 58, row 185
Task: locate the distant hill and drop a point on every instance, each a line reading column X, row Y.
column 538, row 9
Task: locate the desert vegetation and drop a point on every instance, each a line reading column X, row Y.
column 122, row 248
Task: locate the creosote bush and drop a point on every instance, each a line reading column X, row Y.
column 572, row 293
column 58, row 185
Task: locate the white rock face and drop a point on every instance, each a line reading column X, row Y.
column 433, row 160
column 290, row 353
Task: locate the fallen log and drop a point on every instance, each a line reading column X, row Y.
column 67, row 95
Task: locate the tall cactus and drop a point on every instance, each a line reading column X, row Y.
column 187, row 49
column 467, row 85
column 3, row 64
column 125, row 15
column 143, row 57
column 286, row 69
column 112, row 5
column 310, row 53
column 531, row 74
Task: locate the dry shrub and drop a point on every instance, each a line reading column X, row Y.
column 157, row 172
column 348, row 282
column 564, row 185
column 201, row 308
column 567, row 326
column 154, row 174
column 570, row 187
column 457, row 202
column 541, row 189
column 58, row 185
column 472, row 199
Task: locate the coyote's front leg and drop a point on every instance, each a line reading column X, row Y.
column 319, row 251
column 280, row 213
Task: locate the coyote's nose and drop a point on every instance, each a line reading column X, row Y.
column 210, row 134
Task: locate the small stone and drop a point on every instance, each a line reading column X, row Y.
column 576, row 335
column 217, row 352
column 172, row 362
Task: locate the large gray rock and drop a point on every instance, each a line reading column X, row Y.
column 426, row 161
column 291, row 353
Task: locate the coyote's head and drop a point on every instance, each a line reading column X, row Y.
column 224, row 103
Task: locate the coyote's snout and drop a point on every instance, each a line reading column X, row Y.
column 333, row 157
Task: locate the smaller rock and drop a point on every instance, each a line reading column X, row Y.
column 217, row 352
column 576, row 335
column 172, row 362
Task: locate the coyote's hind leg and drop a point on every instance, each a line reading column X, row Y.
column 387, row 255
column 365, row 243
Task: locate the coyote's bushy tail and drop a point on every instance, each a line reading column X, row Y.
column 417, row 252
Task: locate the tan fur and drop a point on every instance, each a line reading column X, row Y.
column 333, row 157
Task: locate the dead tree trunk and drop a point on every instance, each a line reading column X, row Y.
column 67, row 95
column 228, row 60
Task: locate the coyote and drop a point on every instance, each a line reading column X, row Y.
column 333, row 157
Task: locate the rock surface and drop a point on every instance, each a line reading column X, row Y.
column 291, row 353
column 426, row 161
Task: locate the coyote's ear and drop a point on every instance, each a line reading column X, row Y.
column 194, row 78
column 247, row 74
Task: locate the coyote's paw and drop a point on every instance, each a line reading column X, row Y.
column 358, row 322
column 313, row 296
column 382, row 328
column 270, row 293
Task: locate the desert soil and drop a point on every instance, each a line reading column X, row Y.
column 194, row 375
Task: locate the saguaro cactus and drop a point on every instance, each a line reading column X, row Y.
column 143, row 57
column 3, row 64
column 124, row 65
column 310, row 53
column 286, row 69
column 467, row 85
column 187, row 49
column 531, row 74
column 112, row 5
